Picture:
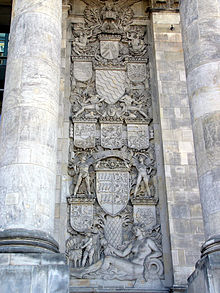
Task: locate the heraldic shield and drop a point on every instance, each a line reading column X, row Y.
column 109, row 49
column 110, row 85
column 81, row 215
column 112, row 188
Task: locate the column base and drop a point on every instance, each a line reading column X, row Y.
column 27, row 241
column 178, row 289
column 205, row 278
column 36, row 273
column 211, row 245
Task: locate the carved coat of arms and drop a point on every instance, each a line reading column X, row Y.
column 81, row 216
column 82, row 70
column 112, row 188
column 109, row 49
column 138, row 136
column 137, row 72
column 111, row 135
column 110, row 84
column 84, row 135
column 145, row 215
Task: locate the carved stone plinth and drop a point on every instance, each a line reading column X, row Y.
column 205, row 279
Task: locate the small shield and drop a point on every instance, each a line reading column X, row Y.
column 110, row 84
column 138, row 136
column 82, row 71
column 111, row 135
column 81, row 216
column 137, row 72
column 112, row 189
column 109, row 49
column 84, row 135
column 145, row 215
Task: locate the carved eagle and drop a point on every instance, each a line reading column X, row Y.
column 119, row 3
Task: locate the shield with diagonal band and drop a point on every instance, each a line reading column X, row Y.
column 112, row 188
column 109, row 49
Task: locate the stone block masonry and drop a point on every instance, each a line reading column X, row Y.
column 185, row 218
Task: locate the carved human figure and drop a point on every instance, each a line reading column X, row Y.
column 127, row 264
column 89, row 250
column 74, row 252
column 83, row 174
column 141, row 249
column 143, row 174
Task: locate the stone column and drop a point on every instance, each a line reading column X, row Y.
column 28, row 134
column 201, row 34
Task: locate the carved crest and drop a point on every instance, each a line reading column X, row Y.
column 137, row 72
column 82, row 71
column 109, row 49
column 111, row 135
column 81, row 216
column 110, row 84
column 145, row 215
column 138, row 136
column 84, row 135
column 112, row 188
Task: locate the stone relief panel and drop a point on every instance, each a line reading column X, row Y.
column 113, row 215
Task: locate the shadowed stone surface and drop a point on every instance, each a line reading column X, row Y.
column 206, row 276
column 28, row 134
column 35, row 273
column 200, row 27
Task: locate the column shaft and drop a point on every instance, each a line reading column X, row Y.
column 28, row 134
column 201, row 34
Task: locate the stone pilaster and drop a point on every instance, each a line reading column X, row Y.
column 201, row 32
column 28, row 134
column 185, row 216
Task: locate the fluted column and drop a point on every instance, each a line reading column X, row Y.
column 28, row 133
column 200, row 21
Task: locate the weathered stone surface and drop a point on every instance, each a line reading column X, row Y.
column 185, row 217
column 202, row 60
column 206, row 276
column 37, row 273
column 28, row 136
